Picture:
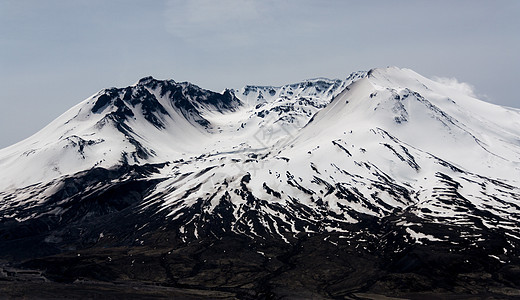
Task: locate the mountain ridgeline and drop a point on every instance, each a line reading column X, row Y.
column 385, row 182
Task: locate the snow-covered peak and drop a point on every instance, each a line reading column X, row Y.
column 425, row 114
column 135, row 125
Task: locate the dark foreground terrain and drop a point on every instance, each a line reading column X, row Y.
column 313, row 267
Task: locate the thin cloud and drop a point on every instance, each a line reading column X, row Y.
column 453, row 83
column 196, row 20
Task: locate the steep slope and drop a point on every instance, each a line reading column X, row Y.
column 386, row 166
column 148, row 122
column 158, row 121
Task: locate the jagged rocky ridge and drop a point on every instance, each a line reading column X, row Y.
column 378, row 167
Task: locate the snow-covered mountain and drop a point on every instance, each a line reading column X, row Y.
column 158, row 121
column 385, row 159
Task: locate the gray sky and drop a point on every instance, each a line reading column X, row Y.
column 55, row 53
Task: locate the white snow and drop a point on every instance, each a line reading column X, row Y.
column 417, row 236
